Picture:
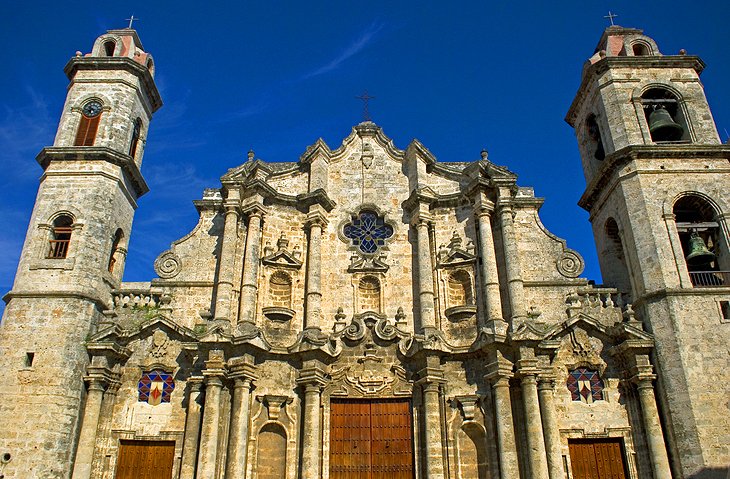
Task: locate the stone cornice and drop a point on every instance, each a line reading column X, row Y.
column 103, row 305
column 117, row 63
column 619, row 158
column 95, row 153
column 592, row 73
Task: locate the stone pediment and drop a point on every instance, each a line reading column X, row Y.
column 617, row 333
column 282, row 257
column 120, row 335
column 455, row 254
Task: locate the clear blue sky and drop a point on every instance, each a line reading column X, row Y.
column 275, row 76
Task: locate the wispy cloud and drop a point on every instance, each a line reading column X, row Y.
column 353, row 49
column 22, row 129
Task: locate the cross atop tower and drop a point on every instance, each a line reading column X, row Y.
column 131, row 20
column 365, row 97
column 610, row 17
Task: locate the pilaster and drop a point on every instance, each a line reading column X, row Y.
column 499, row 373
column 226, row 273
column 312, row 378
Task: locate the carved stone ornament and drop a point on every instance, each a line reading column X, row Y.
column 168, row 265
column 158, row 348
column 371, row 376
column 570, row 264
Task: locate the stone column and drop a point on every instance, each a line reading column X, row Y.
column 211, row 425
column 652, row 427
column 192, row 430
column 490, row 278
column 249, row 279
column 512, row 262
column 224, row 287
column 550, row 428
column 425, row 276
column 506, row 446
column 238, row 435
column 432, row 428
column 312, row 379
column 87, row 436
column 313, row 307
column 535, row 439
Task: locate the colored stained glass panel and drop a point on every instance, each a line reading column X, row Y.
column 155, row 387
column 585, row 385
column 368, row 231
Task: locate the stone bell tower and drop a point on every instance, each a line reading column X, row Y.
column 73, row 255
column 657, row 193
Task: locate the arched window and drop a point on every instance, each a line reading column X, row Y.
column 115, row 246
column 664, row 116
column 89, row 124
column 594, row 135
column 60, row 237
column 585, row 385
column 369, row 293
column 702, row 244
column 640, row 49
column 280, row 286
column 109, row 47
column 613, row 261
column 136, row 132
column 460, row 292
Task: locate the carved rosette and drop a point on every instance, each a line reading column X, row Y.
column 570, row 264
column 168, row 265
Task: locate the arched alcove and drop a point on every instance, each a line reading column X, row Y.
column 271, row 456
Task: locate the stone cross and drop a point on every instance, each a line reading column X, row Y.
column 365, row 99
column 610, row 16
column 132, row 19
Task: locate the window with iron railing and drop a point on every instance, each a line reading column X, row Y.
column 61, row 237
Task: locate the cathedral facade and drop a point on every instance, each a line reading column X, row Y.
column 371, row 312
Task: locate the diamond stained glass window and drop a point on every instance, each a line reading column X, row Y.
column 585, row 385
column 368, row 231
column 155, row 387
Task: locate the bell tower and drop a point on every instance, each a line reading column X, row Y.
column 657, row 177
column 73, row 255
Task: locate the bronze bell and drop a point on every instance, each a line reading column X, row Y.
column 698, row 252
column 662, row 127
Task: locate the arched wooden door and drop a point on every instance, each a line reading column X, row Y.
column 371, row 439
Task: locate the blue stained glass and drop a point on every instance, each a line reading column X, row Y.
column 368, row 231
column 144, row 385
column 585, row 385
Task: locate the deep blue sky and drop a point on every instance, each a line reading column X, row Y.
column 275, row 76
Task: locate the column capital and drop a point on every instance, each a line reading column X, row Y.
column 96, row 383
column 242, row 368
column 312, row 377
column 254, row 210
column 195, row 383
column 499, row 372
column 231, row 207
column 644, row 381
column 484, row 207
column 527, row 368
column 545, row 383
column 430, row 377
column 315, row 218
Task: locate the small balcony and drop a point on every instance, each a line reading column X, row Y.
column 709, row 279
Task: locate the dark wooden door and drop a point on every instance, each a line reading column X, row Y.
column 371, row 439
column 597, row 459
column 145, row 460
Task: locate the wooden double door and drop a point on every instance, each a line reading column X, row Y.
column 597, row 459
column 371, row 439
column 145, row 459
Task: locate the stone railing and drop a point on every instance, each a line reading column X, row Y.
column 597, row 301
column 136, row 296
